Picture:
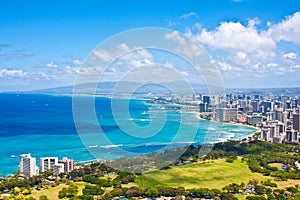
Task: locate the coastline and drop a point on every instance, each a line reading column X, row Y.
column 31, row 136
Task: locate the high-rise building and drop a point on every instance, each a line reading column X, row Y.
column 47, row 163
column 68, row 164
column 267, row 106
column 255, row 106
column 226, row 114
column 269, row 132
column 206, row 99
column 203, row 107
column 265, row 134
column 28, row 165
column 254, row 119
column 296, row 122
column 58, row 168
column 292, row 136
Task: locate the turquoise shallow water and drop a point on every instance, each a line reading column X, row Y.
column 43, row 125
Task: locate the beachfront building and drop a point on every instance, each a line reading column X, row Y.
column 254, row 119
column 48, row 163
column 28, row 165
column 58, row 168
column 203, row 107
column 273, row 131
column 226, row 114
column 68, row 164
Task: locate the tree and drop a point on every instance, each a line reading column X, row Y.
column 63, row 193
column 71, row 191
column 134, row 192
column 92, row 190
column 89, row 179
column 152, row 192
column 230, row 159
column 227, row 196
column 253, row 182
column 43, row 197
column 255, row 198
column 26, row 191
column 117, row 192
column 259, row 189
column 30, row 198
column 17, row 190
column 83, row 197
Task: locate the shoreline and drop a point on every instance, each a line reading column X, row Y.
column 192, row 113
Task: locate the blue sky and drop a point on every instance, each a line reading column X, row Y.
column 253, row 43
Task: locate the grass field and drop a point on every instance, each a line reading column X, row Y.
column 210, row 174
column 52, row 192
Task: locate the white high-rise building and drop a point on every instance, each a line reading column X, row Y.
column 68, row 164
column 226, row 114
column 28, row 165
column 48, row 163
column 58, row 168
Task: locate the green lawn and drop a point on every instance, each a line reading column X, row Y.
column 209, row 174
column 52, row 192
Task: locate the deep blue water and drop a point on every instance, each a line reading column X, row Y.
column 43, row 125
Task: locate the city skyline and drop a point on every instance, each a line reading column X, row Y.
column 253, row 44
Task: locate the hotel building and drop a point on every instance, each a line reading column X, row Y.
column 48, row 163
column 28, row 165
column 68, row 164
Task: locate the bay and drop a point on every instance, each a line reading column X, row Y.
column 43, row 125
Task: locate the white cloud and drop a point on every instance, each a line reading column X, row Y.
column 281, row 70
column 287, row 30
column 240, row 58
column 21, row 74
column 94, row 71
column 135, row 57
column 254, row 51
column 72, row 70
column 51, row 65
column 12, row 73
column 233, row 36
column 272, row 65
column 187, row 15
column 103, row 55
column 112, row 54
column 228, row 70
column 225, row 66
column 185, row 47
column 184, row 73
column 289, row 56
column 77, row 62
column 295, row 68
column 245, row 44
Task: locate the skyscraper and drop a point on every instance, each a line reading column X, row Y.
column 226, row 114
column 28, row 165
column 47, row 163
column 68, row 164
column 296, row 122
column 255, row 105
column 206, row 99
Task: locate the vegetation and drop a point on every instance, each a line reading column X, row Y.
column 209, row 174
column 232, row 170
column 68, row 192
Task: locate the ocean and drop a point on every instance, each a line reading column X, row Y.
column 43, row 125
